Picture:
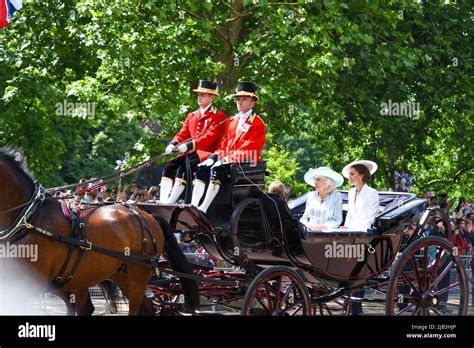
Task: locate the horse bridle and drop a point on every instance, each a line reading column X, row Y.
column 29, row 210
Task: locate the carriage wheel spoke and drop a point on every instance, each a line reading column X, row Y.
column 434, row 270
column 422, row 278
column 287, row 293
column 278, row 292
column 442, row 291
column 324, row 306
column 417, row 310
column 406, row 309
column 328, row 310
column 442, row 275
column 269, row 296
column 290, row 305
column 415, row 270
column 298, row 304
column 261, row 303
column 405, row 277
column 424, row 275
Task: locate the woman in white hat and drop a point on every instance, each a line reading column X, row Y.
column 363, row 200
column 324, row 205
column 363, row 207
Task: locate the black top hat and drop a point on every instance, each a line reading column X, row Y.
column 246, row 89
column 205, row 86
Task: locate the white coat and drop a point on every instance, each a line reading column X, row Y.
column 361, row 212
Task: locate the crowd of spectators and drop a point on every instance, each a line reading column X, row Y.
column 461, row 221
column 195, row 253
column 95, row 193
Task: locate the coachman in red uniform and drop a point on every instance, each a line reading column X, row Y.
column 205, row 127
column 242, row 142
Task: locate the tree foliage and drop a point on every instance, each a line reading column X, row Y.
column 324, row 69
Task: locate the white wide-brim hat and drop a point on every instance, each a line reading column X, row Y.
column 371, row 166
column 313, row 173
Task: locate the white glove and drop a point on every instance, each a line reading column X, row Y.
column 209, row 162
column 182, row 148
column 169, row 148
column 218, row 164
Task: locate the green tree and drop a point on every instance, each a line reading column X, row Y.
column 324, row 70
column 283, row 167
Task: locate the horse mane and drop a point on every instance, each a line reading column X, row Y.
column 15, row 158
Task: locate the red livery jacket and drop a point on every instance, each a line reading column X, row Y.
column 208, row 129
column 244, row 145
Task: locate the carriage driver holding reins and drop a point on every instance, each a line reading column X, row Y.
column 197, row 139
column 242, row 142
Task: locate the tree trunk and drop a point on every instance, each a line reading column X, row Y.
column 391, row 167
column 228, row 78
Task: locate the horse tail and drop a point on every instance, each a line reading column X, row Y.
column 179, row 263
column 110, row 292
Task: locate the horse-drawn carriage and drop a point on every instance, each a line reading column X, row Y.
column 284, row 269
column 289, row 270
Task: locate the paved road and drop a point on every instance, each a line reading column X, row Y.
column 54, row 306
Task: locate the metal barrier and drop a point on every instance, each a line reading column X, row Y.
column 48, row 303
column 466, row 260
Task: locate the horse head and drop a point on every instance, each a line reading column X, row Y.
column 16, row 184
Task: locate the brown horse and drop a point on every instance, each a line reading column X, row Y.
column 111, row 227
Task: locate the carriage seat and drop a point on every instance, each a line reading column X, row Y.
column 389, row 201
column 246, row 181
column 276, row 210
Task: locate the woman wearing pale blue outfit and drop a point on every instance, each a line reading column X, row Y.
column 324, row 205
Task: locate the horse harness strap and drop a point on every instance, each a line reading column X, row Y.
column 140, row 260
column 78, row 239
column 74, row 215
column 21, row 225
column 88, row 246
column 85, row 245
column 78, row 229
column 14, row 231
column 144, row 227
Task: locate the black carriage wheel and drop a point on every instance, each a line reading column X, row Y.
column 277, row 291
column 335, row 307
column 165, row 301
column 329, row 302
column 167, row 305
column 421, row 282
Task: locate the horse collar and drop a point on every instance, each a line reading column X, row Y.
column 30, row 209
